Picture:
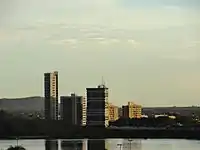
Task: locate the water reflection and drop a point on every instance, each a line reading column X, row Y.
column 92, row 144
column 51, row 145
column 131, row 144
column 96, row 145
column 72, row 145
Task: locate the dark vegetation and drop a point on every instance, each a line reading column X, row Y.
column 184, row 111
column 161, row 127
column 12, row 126
column 180, row 121
column 16, row 148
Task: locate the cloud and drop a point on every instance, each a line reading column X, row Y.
column 172, row 7
column 70, row 41
column 193, row 44
column 9, row 36
column 180, row 57
column 114, row 40
column 91, row 34
column 109, row 41
column 102, row 12
column 65, row 42
column 133, row 42
column 98, row 38
column 103, row 40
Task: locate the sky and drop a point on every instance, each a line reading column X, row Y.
column 146, row 51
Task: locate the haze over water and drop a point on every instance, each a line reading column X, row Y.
column 136, row 144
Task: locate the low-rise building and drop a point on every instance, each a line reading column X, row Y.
column 132, row 110
column 113, row 112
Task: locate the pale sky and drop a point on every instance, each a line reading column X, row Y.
column 148, row 51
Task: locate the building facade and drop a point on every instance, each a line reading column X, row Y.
column 51, row 95
column 97, row 106
column 84, row 112
column 72, row 109
column 113, row 112
column 132, row 110
column 120, row 112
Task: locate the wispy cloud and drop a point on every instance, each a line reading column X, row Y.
column 9, row 36
column 194, row 44
column 109, row 41
column 70, row 41
column 114, row 40
column 172, row 7
column 65, row 42
column 133, row 42
column 180, row 57
column 97, row 38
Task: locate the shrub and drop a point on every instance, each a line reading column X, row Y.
column 16, row 148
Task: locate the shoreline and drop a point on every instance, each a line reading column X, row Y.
column 44, row 138
column 104, row 133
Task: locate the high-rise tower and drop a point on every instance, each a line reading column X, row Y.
column 51, row 95
column 72, row 108
column 97, row 106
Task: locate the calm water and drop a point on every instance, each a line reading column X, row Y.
column 110, row 144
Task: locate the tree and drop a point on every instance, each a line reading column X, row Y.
column 16, row 148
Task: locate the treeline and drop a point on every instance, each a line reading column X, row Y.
column 59, row 130
column 157, row 122
column 18, row 126
column 23, row 127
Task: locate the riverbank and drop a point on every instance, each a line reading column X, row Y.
column 101, row 133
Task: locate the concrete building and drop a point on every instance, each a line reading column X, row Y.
column 132, row 110
column 51, row 95
column 84, row 112
column 120, row 113
column 72, row 109
column 113, row 112
column 97, row 106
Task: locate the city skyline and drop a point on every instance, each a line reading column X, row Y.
column 148, row 52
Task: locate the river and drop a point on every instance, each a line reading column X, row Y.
column 109, row 144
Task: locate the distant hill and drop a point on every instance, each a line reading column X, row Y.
column 27, row 104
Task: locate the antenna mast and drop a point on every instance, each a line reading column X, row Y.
column 103, row 81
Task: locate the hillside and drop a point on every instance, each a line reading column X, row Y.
column 26, row 104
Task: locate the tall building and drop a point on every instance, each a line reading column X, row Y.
column 84, row 112
column 125, row 111
column 132, row 110
column 113, row 112
column 51, row 95
column 97, row 106
column 72, row 108
column 120, row 113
